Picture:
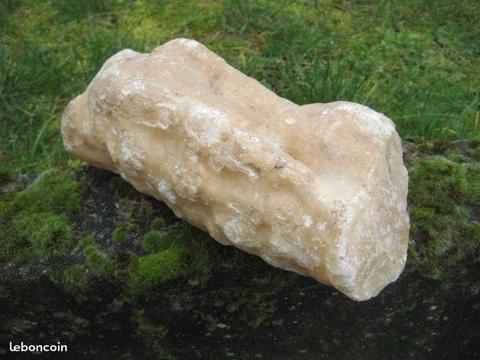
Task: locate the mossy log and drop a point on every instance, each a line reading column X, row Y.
column 88, row 261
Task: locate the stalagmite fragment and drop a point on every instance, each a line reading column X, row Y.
column 319, row 189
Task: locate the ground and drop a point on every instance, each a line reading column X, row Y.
column 167, row 290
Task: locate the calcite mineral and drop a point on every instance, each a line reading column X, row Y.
column 318, row 189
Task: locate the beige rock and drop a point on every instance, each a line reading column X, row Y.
column 318, row 189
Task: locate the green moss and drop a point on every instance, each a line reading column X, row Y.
column 155, row 269
column 14, row 246
column 33, row 221
column 158, row 224
column 177, row 250
column 95, row 260
column 55, row 191
column 192, row 245
column 95, row 266
column 120, row 235
column 73, row 280
column 75, row 276
column 49, row 234
column 159, row 238
column 443, row 196
column 155, row 241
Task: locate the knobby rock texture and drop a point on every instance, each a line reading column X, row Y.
column 318, row 189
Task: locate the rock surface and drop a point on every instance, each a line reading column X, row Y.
column 318, row 189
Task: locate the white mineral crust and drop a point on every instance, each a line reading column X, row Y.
column 318, row 189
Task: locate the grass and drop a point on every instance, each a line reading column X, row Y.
column 416, row 61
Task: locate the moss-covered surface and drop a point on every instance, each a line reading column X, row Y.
column 120, row 235
column 33, row 222
column 172, row 252
column 444, row 201
column 114, row 261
